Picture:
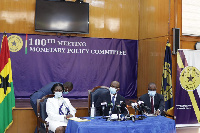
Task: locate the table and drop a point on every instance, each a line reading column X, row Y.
column 158, row 124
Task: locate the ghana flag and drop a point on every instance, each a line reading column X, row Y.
column 7, row 97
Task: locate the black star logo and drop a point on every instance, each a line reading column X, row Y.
column 14, row 43
column 4, row 83
column 190, row 78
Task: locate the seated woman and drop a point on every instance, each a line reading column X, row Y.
column 58, row 110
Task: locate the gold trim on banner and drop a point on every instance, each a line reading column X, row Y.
column 190, row 80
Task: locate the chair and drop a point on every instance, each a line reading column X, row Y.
column 94, row 94
column 42, row 115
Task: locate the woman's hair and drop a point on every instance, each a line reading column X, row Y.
column 55, row 85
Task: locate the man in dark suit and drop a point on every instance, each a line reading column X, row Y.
column 153, row 100
column 111, row 98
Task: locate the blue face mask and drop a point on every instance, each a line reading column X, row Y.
column 65, row 92
column 112, row 90
column 151, row 93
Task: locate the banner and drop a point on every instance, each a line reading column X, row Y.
column 86, row 62
column 187, row 101
column 7, row 98
column 166, row 90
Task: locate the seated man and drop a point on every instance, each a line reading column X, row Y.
column 153, row 100
column 46, row 90
column 111, row 97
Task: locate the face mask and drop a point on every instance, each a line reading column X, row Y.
column 151, row 93
column 66, row 92
column 58, row 94
column 112, row 90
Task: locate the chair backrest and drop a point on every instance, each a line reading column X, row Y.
column 41, row 110
column 94, row 94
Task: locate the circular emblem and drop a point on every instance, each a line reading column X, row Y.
column 15, row 43
column 190, row 78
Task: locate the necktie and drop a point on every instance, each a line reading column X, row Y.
column 113, row 101
column 152, row 106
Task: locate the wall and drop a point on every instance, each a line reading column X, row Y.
column 156, row 20
column 153, row 34
column 149, row 21
column 108, row 18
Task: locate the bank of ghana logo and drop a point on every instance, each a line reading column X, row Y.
column 190, row 78
column 15, row 43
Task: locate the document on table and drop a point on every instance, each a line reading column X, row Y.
column 78, row 119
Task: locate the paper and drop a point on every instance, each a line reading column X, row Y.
column 78, row 119
column 149, row 115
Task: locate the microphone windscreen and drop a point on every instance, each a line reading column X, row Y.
column 104, row 103
column 134, row 104
column 140, row 102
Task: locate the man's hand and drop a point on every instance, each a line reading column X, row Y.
column 157, row 112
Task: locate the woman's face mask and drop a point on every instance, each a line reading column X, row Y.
column 112, row 90
column 58, row 94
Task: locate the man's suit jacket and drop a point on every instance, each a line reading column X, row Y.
column 106, row 97
column 45, row 90
column 158, row 101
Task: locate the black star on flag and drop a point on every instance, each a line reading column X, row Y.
column 190, row 78
column 14, row 43
column 4, row 83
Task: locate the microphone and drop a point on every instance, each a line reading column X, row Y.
column 118, row 109
column 147, row 108
column 143, row 107
column 104, row 105
column 134, row 105
column 123, row 106
column 110, row 106
column 140, row 102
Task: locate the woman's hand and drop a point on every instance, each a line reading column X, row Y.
column 68, row 116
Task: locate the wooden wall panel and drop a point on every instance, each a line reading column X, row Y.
column 150, row 63
column 108, row 19
column 153, row 18
column 24, row 121
column 153, row 35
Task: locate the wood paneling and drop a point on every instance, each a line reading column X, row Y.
column 108, row 19
column 153, row 18
column 153, row 35
column 24, row 121
column 150, row 63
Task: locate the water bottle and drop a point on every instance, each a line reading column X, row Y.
column 92, row 111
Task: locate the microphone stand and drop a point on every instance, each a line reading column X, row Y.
column 103, row 110
column 142, row 117
column 118, row 111
column 110, row 112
